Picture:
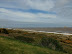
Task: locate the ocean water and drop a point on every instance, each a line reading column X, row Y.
column 25, row 25
column 16, row 24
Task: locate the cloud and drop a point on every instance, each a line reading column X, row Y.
column 63, row 8
column 60, row 3
column 44, row 5
column 23, row 16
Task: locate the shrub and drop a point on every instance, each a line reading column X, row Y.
column 3, row 30
column 51, row 43
column 24, row 39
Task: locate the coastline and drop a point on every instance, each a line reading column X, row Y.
column 32, row 30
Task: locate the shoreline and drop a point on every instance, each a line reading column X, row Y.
column 29, row 30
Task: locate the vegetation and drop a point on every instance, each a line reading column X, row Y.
column 2, row 30
column 52, row 43
column 12, row 46
column 25, row 39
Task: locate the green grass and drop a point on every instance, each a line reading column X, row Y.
column 10, row 46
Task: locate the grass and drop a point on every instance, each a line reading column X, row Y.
column 10, row 46
column 18, row 42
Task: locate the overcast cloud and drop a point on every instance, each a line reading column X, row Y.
column 48, row 11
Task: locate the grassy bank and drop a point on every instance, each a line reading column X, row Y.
column 10, row 46
column 24, row 42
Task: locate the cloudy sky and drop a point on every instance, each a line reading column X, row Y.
column 43, row 11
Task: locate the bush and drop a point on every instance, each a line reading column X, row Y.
column 25, row 39
column 51, row 43
column 4, row 31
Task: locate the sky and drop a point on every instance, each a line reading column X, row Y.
column 42, row 11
